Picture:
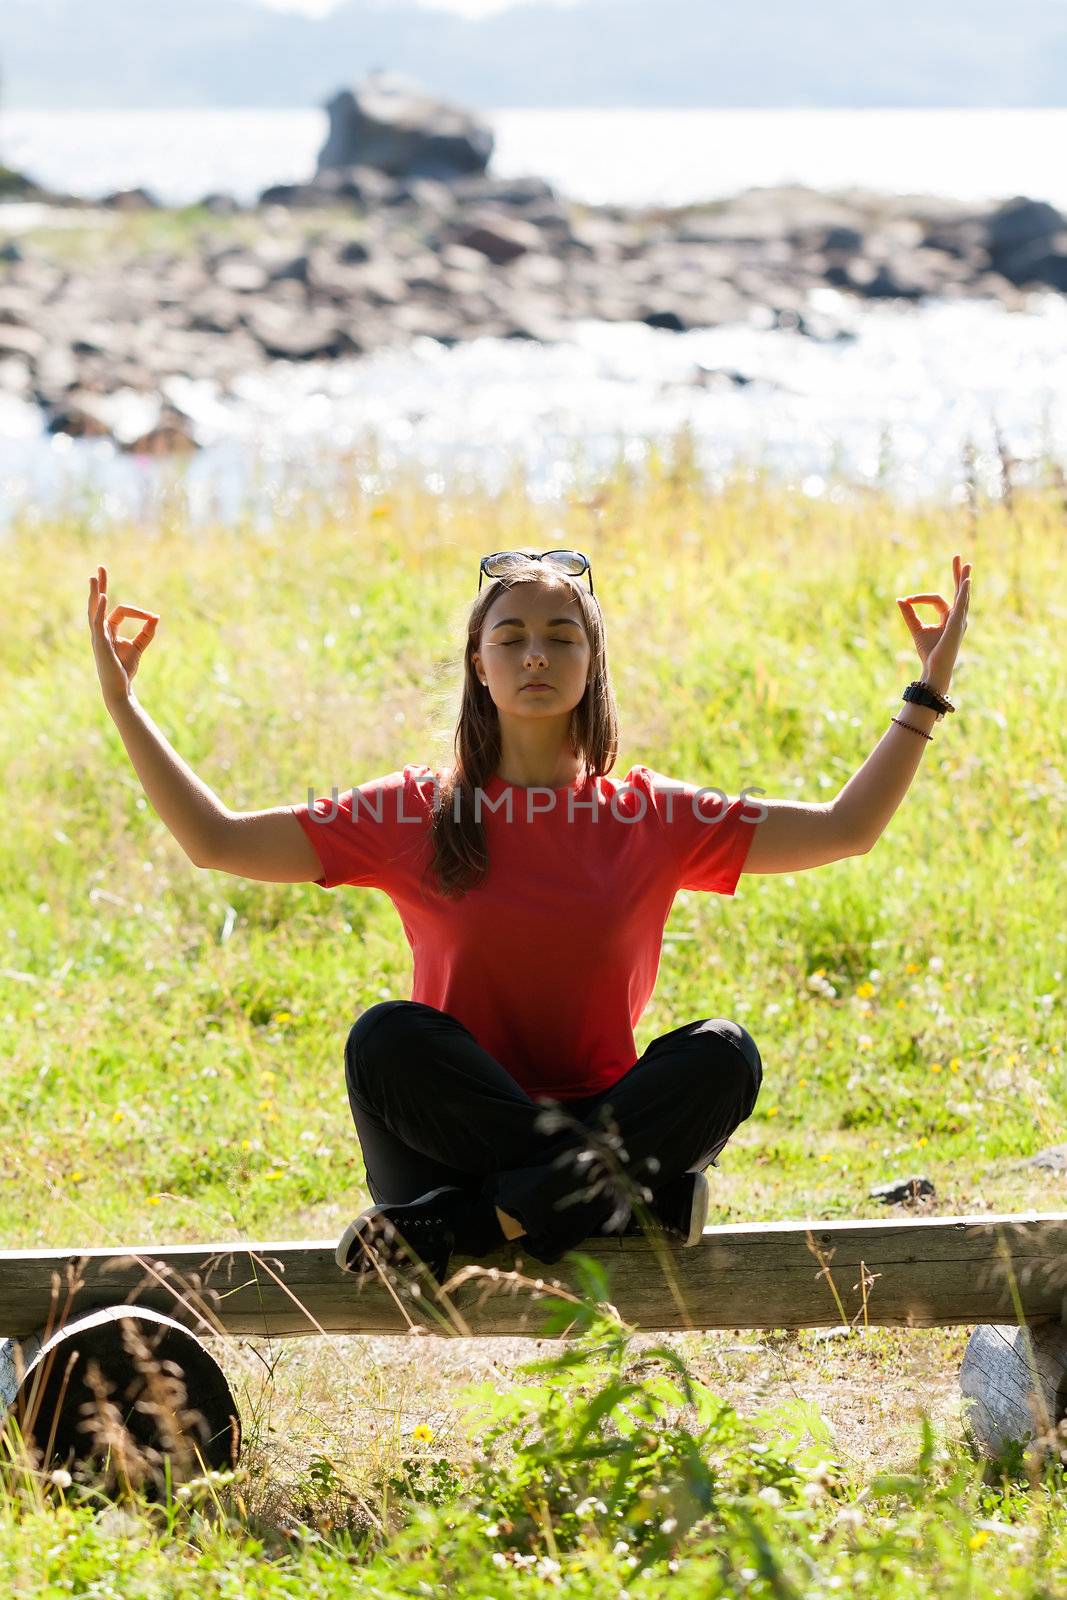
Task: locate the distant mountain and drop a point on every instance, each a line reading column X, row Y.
column 113, row 54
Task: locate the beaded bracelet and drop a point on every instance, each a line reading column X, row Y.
column 911, row 729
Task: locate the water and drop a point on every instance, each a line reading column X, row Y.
column 617, row 156
column 898, row 405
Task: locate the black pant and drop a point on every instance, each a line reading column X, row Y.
column 431, row 1107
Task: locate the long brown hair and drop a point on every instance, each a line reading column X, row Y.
column 460, row 854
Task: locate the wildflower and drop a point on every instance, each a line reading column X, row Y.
column 772, row 1495
column 865, row 991
column 849, row 1517
column 246, row 1144
column 155, row 1199
column 825, row 1156
column 911, row 967
column 282, row 1016
column 621, row 1548
column 977, row 1540
column 921, row 1141
column 954, row 1064
column 865, row 1041
column 77, row 1177
column 117, row 1116
column 935, row 1066
column 61, row 1478
column 422, row 1433
column 935, row 963
column 772, row 1111
column 803, row 1083
column 547, row 1568
column 498, row 1558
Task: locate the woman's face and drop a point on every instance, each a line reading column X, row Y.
column 534, row 633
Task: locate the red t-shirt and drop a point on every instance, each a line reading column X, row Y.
column 551, row 962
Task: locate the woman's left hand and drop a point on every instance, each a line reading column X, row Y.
column 938, row 645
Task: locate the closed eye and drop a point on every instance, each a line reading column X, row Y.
column 507, row 643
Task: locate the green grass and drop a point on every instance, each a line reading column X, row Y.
column 105, row 238
column 173, row 1038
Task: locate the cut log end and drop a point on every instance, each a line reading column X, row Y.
column 124, row 1393
column 1014, row 1384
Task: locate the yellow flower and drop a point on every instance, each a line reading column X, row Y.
column 117, row 1116
column 773, row 1111
column 954, row 1064
column 378, row 512
column 274, row 1175
column 246, row 1144
column 935, row 1066
column 900, row 1005
column 911, row 967
column 76, row 1177
column 1010, row 1062
column 266, row 1105
column 282, row 1016
column 825, row 1157
column 921, row 1141
column 422, row 1433
column 803, row 1083
column 977, row 1540
column 155, row 1199
column 865, row 991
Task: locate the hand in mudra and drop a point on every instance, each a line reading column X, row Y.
column 116, row 659
column 938, row 644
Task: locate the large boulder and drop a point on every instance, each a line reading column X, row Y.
column 391, row 123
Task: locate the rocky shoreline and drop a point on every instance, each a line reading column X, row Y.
column 359, row 258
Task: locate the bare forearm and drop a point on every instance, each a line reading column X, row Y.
column 871, row 796
column 188, row 807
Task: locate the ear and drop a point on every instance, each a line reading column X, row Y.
column 476, row 663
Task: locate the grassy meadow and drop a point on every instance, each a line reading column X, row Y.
column 173, row 1038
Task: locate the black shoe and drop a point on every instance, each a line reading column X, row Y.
column 420, row 1232
column 680, row 1208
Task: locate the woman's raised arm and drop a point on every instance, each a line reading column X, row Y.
column 194, row 814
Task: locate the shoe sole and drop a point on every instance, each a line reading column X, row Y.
column 357, row 1227
column 699, row 1215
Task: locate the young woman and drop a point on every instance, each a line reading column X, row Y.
column 505, row 1099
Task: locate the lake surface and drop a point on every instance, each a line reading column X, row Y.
column 617, row 156
column 899, row 404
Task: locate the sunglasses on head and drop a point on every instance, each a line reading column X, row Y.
column 573, row 562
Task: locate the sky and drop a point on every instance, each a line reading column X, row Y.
column 466, row 8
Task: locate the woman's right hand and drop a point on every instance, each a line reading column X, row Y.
column 116, row 659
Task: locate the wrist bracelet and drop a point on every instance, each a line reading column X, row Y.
column 911, row 729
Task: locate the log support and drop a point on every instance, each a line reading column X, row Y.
column 124, row 1390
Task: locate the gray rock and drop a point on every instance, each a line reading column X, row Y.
column 1053, row 1159
column 130, row 200
column 391, row 123
column 242, row 275
column 500, row 239
column 15, row 377
column 299, row 338
column 1044, row 261
column 352, row 252
column 19, row 341
column 1021, row 222
column 220, row 205
column 902, row 1189
column 80, row 418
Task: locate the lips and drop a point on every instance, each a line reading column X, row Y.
column 537, row 685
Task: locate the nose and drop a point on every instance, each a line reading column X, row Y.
column 535, row 654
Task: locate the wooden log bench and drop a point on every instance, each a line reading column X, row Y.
column 61, row 1311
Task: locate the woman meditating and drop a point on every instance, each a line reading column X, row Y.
column 506, row 1099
